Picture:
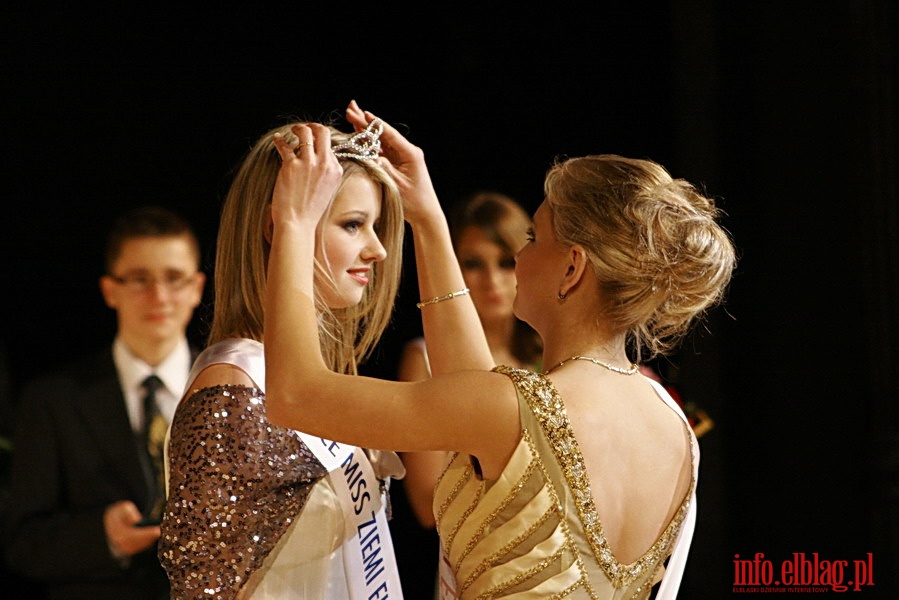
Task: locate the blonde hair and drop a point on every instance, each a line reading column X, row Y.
column 654, row 243
column 348, row 335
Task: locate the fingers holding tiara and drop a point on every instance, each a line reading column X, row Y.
column 394, row 146
column 288, row 150
column 309, row 174
column 406, row 163
column 285, row 150
column 306, row 143
column 363, row 119
column 306, row 140
column 357, row 117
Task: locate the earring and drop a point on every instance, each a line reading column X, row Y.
column 562, row 297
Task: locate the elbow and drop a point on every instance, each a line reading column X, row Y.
column 425, row 518
column 277, row 409
column 276, row 412
column 294, row 400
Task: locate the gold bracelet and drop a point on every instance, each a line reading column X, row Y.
column 449, row 296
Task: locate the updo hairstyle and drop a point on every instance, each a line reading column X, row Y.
column 659, row 254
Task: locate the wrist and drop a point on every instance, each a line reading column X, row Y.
column 427, row 217
column 283, row 217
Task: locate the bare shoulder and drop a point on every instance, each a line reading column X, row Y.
column 489, row 405
column 480, row 387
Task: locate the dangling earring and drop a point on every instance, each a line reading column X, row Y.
column 562, row 297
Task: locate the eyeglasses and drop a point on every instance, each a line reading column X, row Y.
column 172, row 282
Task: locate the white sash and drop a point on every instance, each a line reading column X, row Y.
column 446, row 579
column 368, row 548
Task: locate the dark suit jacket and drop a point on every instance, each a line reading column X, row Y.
column 75, row 454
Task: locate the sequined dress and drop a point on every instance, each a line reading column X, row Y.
column 251, row 513
column 534, row 531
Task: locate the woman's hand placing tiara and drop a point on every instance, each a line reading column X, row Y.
column 309, row 175
column 406, row 164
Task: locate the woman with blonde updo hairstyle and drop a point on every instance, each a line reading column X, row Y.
column 659, row 256
column 576, row 481
column 256, row 511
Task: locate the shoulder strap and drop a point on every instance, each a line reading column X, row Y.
column 674, row 569
column 244, row 353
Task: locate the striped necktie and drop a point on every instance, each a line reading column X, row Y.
column 153, row 435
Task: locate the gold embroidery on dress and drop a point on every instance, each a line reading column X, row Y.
column 446, row 467
column 524, row 575
column 460, row 483
column 549, row 409
column 494, row 559
column 566, row 546
column 501, row 506
column 457, row 489
column 464, row 516
column 583, row 580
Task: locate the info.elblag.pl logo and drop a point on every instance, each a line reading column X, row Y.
column 802, row 573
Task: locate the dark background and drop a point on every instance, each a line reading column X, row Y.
column 783, row 111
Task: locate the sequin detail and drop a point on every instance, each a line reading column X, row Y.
column 535, row 530
column 236, row 484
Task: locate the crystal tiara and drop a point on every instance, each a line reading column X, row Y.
column 365, row 144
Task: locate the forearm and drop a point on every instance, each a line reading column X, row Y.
column 292, row 350
column 452, row 329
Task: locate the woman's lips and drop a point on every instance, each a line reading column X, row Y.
column 360, row 275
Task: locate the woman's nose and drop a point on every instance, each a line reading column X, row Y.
column 374, row 250
column 495, row 275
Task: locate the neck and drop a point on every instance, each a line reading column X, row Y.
column 628, row 370
column 614, row 354
column 151, row 353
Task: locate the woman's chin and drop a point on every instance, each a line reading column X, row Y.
column 344, row 301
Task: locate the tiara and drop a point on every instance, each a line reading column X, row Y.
column 365, row 144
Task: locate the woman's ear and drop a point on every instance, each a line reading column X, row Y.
column 575, row 267
column 269, row 226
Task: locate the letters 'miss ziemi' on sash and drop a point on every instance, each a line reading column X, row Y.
column 367, row 547
column 368, row 551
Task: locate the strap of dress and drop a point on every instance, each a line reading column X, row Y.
column 246, row 354
column 674, row 570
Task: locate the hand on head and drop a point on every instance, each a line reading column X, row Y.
column 405, row 162
column 309, row 175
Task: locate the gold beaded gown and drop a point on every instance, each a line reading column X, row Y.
column 534, row 532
